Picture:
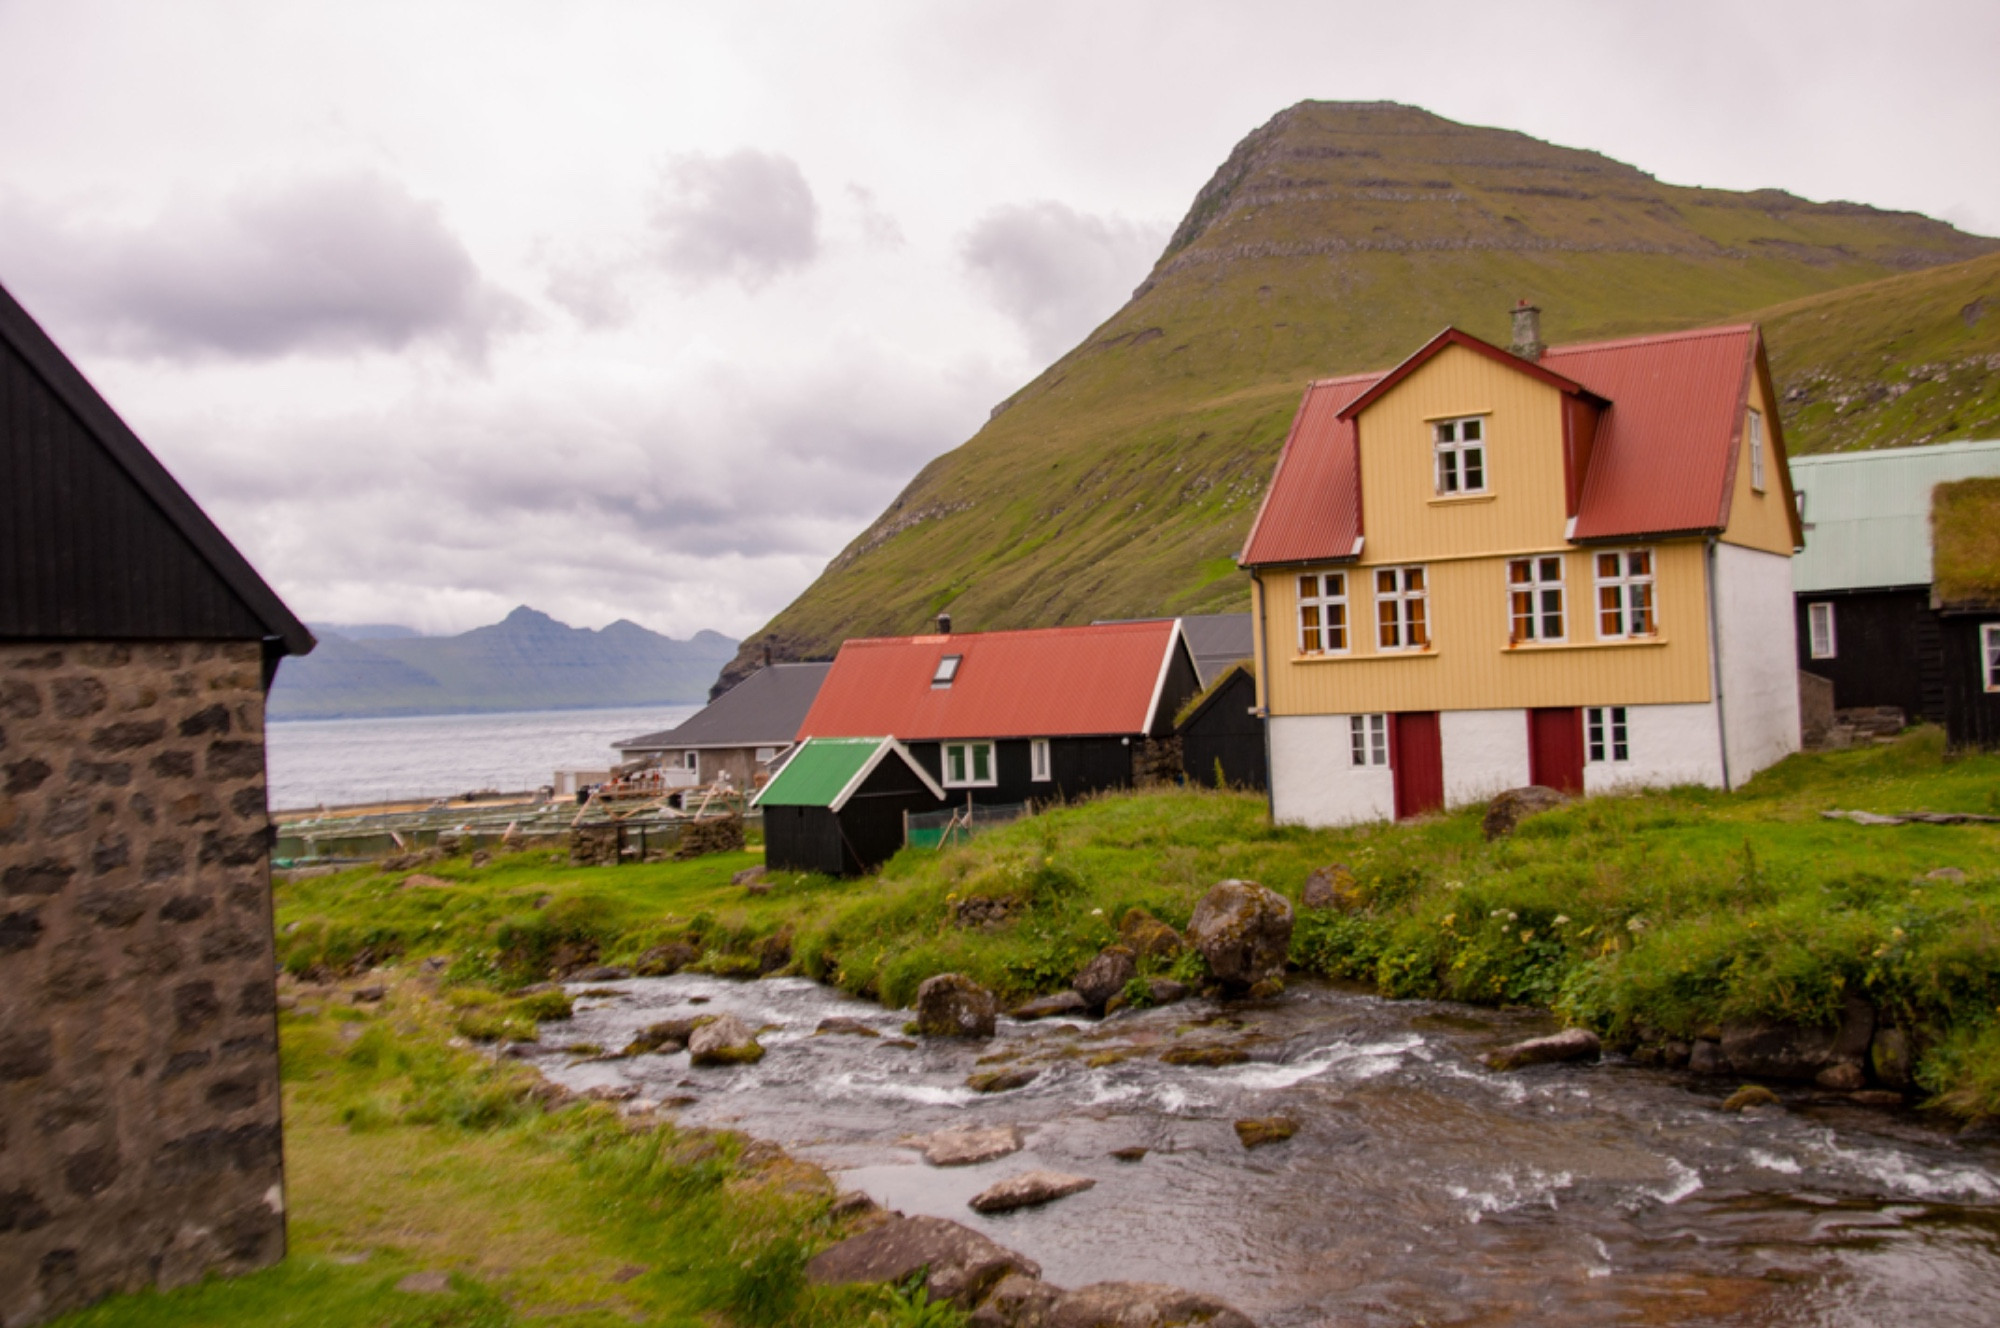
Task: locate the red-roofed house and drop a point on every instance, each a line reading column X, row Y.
column 1007, row 717
column 1565, row 566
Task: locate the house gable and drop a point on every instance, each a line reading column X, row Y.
column 1520, row 503
column 1766, row 518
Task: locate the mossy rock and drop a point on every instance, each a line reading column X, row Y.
column 1257, row 1131
column 1210, row 1054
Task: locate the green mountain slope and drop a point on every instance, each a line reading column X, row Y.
column 1337, row 237
column 528, row 661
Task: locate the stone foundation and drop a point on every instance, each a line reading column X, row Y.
column 139, row 1112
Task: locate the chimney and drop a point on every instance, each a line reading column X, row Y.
column 1527, row 332
column 944, row 624
column 767, row 654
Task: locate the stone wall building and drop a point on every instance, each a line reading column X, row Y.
column 139, row 1112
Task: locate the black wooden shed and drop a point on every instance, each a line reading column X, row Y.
column 838, row 805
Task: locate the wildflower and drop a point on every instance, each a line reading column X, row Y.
column 1512, row 916
column 1096, row 912
column 1562, row 920
column 1454, row 885
column 1496, row 913
column 1527, row 935
column 1635, row 924
column 1450, row 918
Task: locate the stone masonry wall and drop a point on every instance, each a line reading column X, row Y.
column 139, row 1113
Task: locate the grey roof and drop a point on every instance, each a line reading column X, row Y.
column 764, row 710
column 1218, row 640
column 1868, row 514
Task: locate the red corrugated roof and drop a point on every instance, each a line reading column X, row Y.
column 1048, row 683
column 1312, row 511
column 1662, row 462
column 1665, row 455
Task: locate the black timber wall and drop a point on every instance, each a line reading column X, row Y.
column 1182, row 683
column 1887, row 650
column 84, row 552
column 1223, row 733
column 1077, row 766
column 1972, row 714
column 865, row 833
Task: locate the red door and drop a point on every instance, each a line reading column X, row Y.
column 1555, row 748
column 1416, row 759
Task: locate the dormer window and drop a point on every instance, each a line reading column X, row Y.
column 1461, row 455
column 947, row 669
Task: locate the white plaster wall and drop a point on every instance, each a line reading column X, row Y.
column 1313, row 778
column 1485, row 751
column 1669, row 744
column 1757, row 635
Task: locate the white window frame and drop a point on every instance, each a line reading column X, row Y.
column 1039, row 766
column 1821, row 641
column 967, row 764
column 1754, row 428
column 1535, row 596
column 1460, row 467
column 1606, row 735
column 947, row 670
column 1630, row 595
column 1402, row 611
column 1989, row 649
column 1323, row 624
column 1368, row 739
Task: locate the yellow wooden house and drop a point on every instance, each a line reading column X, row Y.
column 1566, row 566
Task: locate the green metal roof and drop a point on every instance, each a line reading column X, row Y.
column 825, row 772
column 1868, row 514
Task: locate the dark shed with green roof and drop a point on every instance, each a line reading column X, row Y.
column 838, row 804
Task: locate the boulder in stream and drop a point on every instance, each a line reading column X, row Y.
column 959, row 1264
column 1257, row 1131
column 1148, row 937
column 1572, row 1044
column 1017, row 1302
column 840, row 1023
column 1143, row 1305
column 1050, row 1007
column 1244, row 932
column 1027, row 1190
column 1750, row 1095
column 724, row 1040
column 953, row 1005
column 665, row 1037
column 967, row 1147
column 1105, row 976
column 1001, row 1081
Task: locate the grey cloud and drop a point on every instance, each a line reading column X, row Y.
column 1056, row 271
column 749, row 215
column 334, row 264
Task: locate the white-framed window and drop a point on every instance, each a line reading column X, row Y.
column 766, row 754
column 1401, row 621
column 691, row 760
column 1625, row 594
column 969, row 765
column 1461, row 455
column 1604, row 735
column 1322, row 613
column 1754, row 429
column 947, row 669
column 1819, row 630
column 1989, row 654
column 1370, row 735
column 1038, row 760
column 1535, row 598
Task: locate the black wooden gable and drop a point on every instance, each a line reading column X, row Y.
column 97, row 540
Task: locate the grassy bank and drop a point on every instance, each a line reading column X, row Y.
column 407, row 1153
column 1658, row 914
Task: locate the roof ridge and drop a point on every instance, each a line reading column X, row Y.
column 933, row 638
column 1653, row 338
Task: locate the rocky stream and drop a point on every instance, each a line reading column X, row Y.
column 1388, row 1177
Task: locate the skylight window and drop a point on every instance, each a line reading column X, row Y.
column 947, row 669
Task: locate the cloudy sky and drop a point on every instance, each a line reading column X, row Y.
column 644, row 310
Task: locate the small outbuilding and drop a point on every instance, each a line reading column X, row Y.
column 838, row 806
column 740, row 736
column 139, row 1115
column 1222, row 732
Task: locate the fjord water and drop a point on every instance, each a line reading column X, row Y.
column 1420, row 1188
column 340, row 761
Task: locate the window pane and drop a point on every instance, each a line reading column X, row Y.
column 1642, row 609
column 1639, row 562
column 1388, row 631
column 1448, row 431
column 1357, row 731
column 1413, row 579
column 1469, row 430
column 1475, row 467
column 1552, row 614
column 1607, row 564
column 1552, row 569
column 1385, row 581
column 1336, row 583
column 1336, row 627
column 982, row 762
column 1517, row 572
column 1308, row 586
column 1419, row 635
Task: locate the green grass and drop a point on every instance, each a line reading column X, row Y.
column 406, row 1153
column 1123, row 479
column 1965, row 539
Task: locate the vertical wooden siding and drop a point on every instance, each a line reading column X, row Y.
column 1761, row 520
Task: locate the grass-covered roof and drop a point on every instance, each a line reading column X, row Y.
column 1965, row 542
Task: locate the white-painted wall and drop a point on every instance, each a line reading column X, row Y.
column 1314, row 780
column 1757, row 637
column 1485, row 752
column 1669, row 744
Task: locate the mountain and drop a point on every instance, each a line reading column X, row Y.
column 1337, row 237
column 528, row 661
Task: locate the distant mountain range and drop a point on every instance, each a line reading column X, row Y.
column 528, row 661
column 1340, row 237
